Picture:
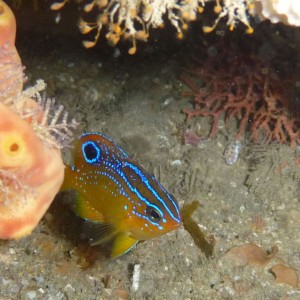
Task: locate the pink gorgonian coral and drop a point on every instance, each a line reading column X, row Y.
column 234, row 83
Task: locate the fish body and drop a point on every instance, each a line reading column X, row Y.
column 116, row 193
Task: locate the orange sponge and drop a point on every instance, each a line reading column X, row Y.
column 31, row 166
column 7, row 25
column 30, row 174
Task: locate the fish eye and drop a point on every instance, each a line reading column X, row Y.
column 153, row 214
column 91, row 152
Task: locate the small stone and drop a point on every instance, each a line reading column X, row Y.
column 69, row 288
column 11, row 251
column 242, row 208
column 31, row 295
column 176, row 162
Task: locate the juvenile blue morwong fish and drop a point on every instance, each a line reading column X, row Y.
column 113, row 191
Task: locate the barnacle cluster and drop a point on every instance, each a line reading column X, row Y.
column 133, row 19
column 285, row 11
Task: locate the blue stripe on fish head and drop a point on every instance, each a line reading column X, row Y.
column 157, row 207
column 109, row 147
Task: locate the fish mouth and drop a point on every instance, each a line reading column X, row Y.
column 171, row 229
column 175, row 225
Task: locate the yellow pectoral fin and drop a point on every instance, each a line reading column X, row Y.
column 83, row 208
column 122, row 244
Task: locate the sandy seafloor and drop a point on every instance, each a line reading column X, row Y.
column 137, row 101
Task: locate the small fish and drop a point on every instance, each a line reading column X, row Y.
column 125, row 201
column 232, row 152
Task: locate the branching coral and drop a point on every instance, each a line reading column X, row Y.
column 31, row 166
column 241, row 86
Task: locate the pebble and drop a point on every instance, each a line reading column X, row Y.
column 231, row 153
column 176, row 162
column 31, row 295
column 136, row 277
column 11, row 251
